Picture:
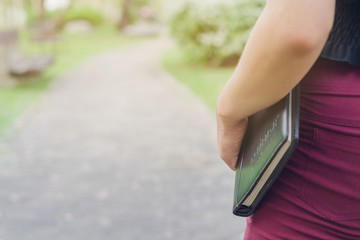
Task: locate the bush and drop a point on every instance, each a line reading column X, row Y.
column 215, row 34
column 88, row 14
column 60, row 17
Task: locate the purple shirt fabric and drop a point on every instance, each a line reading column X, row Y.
column 317, row 196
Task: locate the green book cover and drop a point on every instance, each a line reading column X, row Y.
column 270, row 139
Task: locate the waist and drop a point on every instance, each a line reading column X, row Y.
column 330, row 93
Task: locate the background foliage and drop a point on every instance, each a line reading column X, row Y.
column 215, row 34
column 83, row 13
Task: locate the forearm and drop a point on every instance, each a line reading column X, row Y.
column 285, row 42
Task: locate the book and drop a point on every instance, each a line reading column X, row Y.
column 270, row 139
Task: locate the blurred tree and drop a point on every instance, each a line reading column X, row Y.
column 4, row 10
column 130, row 10
column 29, row 9
column 11, row 13
column 62, row 15
column 125, row 14
column 40, row 5
column 35, row 10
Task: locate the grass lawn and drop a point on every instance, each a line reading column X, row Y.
column 205, row 82
column 70, row 50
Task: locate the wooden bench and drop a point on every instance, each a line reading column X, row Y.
column 16, row 63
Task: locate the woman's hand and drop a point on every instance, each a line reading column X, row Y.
column 229, row 139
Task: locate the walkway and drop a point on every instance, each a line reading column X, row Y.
column 116, row 150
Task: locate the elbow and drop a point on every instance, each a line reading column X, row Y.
column 308, row 40
column 226, row 111
column 306, row 43
column 223, row 110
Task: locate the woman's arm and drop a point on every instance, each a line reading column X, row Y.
column 285, row 42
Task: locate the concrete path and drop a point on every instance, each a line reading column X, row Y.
column 116, row 150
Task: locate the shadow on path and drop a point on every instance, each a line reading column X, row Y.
column 116, row 149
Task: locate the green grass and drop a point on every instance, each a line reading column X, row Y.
column 205, row 82
column 70, row 50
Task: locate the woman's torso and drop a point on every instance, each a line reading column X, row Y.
column 317, row 196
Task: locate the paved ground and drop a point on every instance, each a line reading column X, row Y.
column 116, row 149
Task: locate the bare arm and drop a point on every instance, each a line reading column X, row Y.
column 285, row 42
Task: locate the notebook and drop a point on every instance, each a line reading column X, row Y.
column 270, row 139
